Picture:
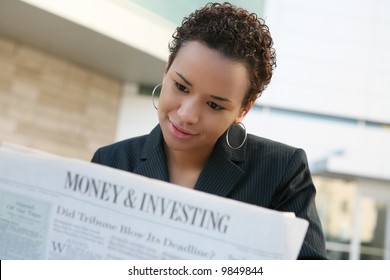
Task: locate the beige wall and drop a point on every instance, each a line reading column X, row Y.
column 54, row 105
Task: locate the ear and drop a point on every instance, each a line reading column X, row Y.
column 244, row 110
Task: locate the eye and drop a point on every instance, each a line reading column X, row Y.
column 181, row 87
column 214, row 106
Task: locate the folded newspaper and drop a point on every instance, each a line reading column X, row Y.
column 59, row 208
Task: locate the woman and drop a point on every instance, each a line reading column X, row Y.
column 221, row 59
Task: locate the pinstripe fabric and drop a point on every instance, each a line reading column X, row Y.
column 262, row 172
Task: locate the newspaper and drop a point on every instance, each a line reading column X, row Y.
column 59, row 208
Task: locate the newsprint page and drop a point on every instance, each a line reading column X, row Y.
column 66, row 209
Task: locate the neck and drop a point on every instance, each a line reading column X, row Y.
column 188, row 159
column 184, row 167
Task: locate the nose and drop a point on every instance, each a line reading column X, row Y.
column 189, row 111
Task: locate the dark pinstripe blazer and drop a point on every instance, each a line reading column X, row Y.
column 262, row 172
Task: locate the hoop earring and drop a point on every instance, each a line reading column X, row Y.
column 154, row 104
column 227, row 137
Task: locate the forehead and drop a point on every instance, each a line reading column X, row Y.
column 210, row 71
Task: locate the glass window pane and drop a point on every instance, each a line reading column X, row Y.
column 372, row 231
column 336, row 200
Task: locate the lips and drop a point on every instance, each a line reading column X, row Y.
column 179, row 132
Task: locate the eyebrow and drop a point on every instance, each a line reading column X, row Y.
column 213, row 96
column 183, row 78
column 220, row 98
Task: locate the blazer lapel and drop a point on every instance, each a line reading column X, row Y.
column 153, row 160
column 222, row 173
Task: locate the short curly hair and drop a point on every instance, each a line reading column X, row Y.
column 237, row 34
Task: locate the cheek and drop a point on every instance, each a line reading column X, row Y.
column 165, row 100
column 217, row 126
column 166, row 104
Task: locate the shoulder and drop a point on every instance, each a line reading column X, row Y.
column 274, row 157
column 122, row 154
column 269, row 148
column 124, row 146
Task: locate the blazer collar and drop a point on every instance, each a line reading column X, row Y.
column 220, row 175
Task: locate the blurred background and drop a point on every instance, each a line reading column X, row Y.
column 77, row 75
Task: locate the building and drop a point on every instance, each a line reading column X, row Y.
column 75, row 75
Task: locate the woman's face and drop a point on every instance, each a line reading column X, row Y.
column 201, row 97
